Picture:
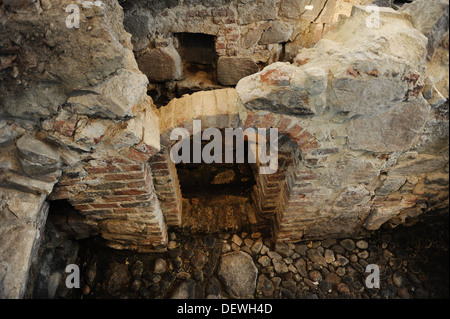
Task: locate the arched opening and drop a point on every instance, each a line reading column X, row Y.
column 217, row 196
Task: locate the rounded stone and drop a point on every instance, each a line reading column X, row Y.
column 348, row 244
column 362, row 244
column 238, row 273
column 332, row 278
column 161, row 64
column 315, row 276
column 160, row 266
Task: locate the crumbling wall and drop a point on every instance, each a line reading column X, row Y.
column 73, row 105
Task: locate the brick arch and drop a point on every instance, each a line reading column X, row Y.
column 275, row 194
column 216, row 108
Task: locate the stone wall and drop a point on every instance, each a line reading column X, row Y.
column 363, row 116
column 248, row 34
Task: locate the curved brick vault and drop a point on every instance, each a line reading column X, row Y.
column 223, row 109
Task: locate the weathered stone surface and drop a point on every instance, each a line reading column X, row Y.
column 278, row 32
column 257, row 10
column 232, row 69
column 22, row 218
column 50, row 76
column 316, row 257
column 160, row 266
column 225, row 177
column 358, row 76
column 185, row 290
column 117, row 277
column 389, row 131
column 161, row 64
column 27, row 184
column 286, row 89
column 38, row 102
column 138, row 26
column 390, row 208
column 390, row 185
column 36, row 151
column 306, row 10
column 111, row 98
column 412, row 163
column 238, row 273
column 431, row 18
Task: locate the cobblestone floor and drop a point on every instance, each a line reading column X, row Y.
column 413, row 263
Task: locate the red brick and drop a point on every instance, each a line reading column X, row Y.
column 109, row 205
column 117, row 160
column 159, row 166
column 123, row 210
column 102, row 170
column 82, row 207
column 137, row 156
column 220, row 45
column 123, row 176
column 310, row 146
column 284, row 123
column 293, row 131
column 268, row 120
column 304, row 138
column 130, row 192
column 118, row 199
column 132, row 168
column 69, row 181
column 137, row 184
column 160, row 157
column 252, row 119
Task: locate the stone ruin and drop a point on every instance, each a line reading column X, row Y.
column 361, row 107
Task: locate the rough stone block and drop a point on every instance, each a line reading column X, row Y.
column 231, row 69
column 22, row 217
column 161, row 64
column 115, row 97
column 431, row 18
column 393, row 130
column 36, row 151
column 285, row 89
column 278, row 32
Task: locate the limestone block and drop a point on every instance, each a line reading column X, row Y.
column 90, row 132
column 36, row 151
column 22, row 217
column 284, row 88
column 238, row 273
column 257, row 10
column 387, row 208
column 419, row 164
column 431, row 18
column 161, row 64
column 231, row 69
column 393, row 130
column 150, row 143
column 115, row 97
column 278, row 32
